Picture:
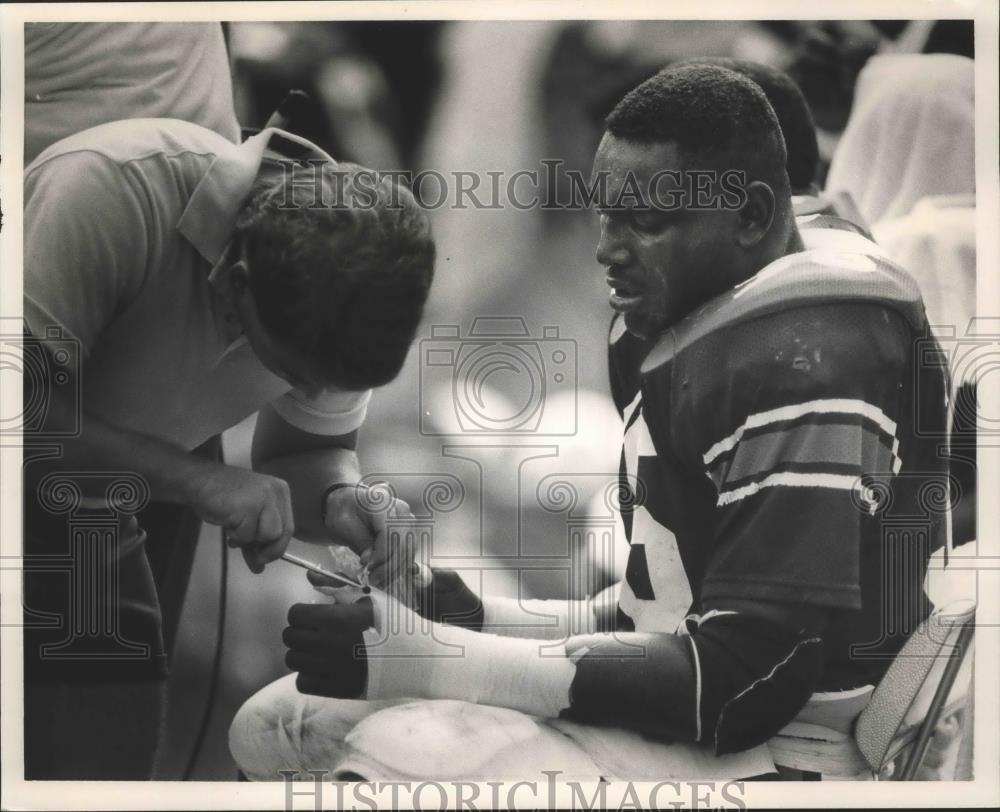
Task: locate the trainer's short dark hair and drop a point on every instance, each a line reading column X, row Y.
column 717, row 118
column 340, row 263
column 791, row 108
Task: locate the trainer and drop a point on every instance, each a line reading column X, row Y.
column 194, row 282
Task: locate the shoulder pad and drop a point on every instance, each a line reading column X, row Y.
column 827, row 220
column 803, row 205
column 837, row 266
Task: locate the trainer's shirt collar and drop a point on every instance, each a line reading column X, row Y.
column 210, row 216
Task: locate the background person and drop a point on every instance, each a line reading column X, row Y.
column 79, row 75
column 907, row 157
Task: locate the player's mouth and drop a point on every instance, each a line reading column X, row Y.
column 624, row 297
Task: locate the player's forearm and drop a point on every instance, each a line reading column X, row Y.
column 537, row 619
column 449, row 600
column 309, row 474
column 733, row 683
column 550, row 619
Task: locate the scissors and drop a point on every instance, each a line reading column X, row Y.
column 361, row 584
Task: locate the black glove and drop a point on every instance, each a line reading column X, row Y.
column 449, row 600
column 326, row 647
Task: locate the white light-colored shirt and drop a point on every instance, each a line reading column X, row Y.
column 124, row 224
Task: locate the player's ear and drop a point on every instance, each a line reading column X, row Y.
column 756, row 215
column 239, row 277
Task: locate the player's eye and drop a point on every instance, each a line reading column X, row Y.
column 650, row 220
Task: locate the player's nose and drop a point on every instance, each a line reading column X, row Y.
column 611, row 248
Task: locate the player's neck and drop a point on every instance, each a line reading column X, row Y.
column 794, row 244
column 787, row 238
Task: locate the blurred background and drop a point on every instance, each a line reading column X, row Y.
column 478, row 97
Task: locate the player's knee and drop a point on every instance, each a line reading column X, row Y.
column 253, row 733
column 248, row 734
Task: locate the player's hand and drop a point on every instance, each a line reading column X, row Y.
column 255, row 510
column 368, row 521
column 326, row 646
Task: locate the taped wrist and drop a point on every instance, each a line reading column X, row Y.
column 410, row 656
column 734, row 681
column 538, row 619
column 448, row 600
column 550, row 619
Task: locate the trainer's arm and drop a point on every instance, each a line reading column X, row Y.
column 309, row 463
column 87, row 236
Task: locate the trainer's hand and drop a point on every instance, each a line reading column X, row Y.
column 255, row 510
column 338, row 590
column 365, row 520
column 326, row 646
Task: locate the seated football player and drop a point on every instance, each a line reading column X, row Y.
column 812, row 208
column 774, row 418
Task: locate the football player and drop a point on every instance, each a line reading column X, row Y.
column 812, row 209
column 773, row 421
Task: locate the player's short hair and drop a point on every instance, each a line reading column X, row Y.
column 340, row 263
column 715, row 116
column 791, row 108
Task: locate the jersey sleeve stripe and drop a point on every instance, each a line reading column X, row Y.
column 697, row 689
column 632, row 411
column 821, row 406
column 851, row 444
column 792, row 479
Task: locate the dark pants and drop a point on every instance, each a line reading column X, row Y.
column 96, row 615
column 94, row 662
column 97, row 731
column 171, row 536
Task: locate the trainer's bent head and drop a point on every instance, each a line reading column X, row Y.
column 338, row 263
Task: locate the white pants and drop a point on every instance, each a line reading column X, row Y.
column 398, row 740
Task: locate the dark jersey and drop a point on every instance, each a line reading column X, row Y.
column 626, row 351
column 772, row 447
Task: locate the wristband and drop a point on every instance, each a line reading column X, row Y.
column 336, row 486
